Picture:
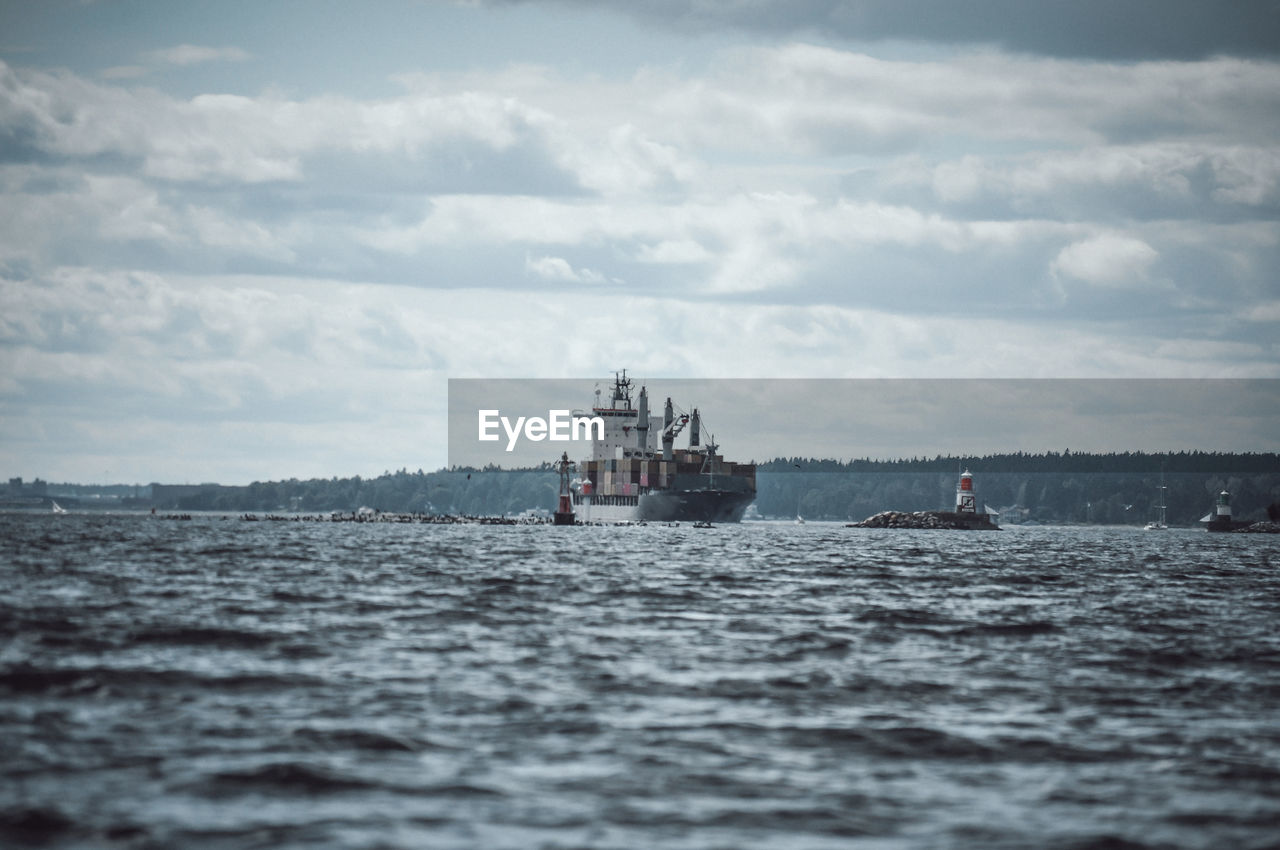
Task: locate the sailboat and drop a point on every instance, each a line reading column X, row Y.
column 1159, row 524
column 799, row 499
column 58, row 509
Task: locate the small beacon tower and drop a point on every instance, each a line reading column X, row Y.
column 965, row 503
column 1220, row 519
column 564, row 510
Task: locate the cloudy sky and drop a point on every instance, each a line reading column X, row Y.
column 253, row 240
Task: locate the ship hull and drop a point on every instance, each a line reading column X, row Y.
column 673, row 506
column 694, row 506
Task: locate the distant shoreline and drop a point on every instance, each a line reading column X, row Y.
column 1044, row 489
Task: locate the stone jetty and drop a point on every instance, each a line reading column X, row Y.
column 1264, row 527
column 387, row 516
column 927, row 520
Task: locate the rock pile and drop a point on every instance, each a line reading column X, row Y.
column 385, row 516
column 921, row 519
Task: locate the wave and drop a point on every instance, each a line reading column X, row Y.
column 26, row 678
column 284, row 778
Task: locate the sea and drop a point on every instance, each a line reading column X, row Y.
column 217, row 683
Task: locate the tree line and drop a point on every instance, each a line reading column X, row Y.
column 1065, row 461
column 1050, row 487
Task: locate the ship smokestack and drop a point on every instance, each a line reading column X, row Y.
column 642, row 424
column 695, row 430
column 668, row 439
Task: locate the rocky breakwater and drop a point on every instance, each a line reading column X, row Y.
column 927, row 520
column 364, row 515
column 1264, row 527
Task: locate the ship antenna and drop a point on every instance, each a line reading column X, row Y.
column 621, row 388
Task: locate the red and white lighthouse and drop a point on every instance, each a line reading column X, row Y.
column 965, row 503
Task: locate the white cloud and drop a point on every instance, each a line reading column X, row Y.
column 215, row 229
column 558, row 269
column 1247, row 175
column 1267, row 311
column 820, row 100
column 632, row 162
column 192, row 54
column 126, row 210
column 1171, row 176
column 249, row 139
column 1108, row 259
column 741, row 243
column 674, row 251
column 656, row 131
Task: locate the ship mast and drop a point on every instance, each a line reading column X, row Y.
column 621, row 391
column 642, row 425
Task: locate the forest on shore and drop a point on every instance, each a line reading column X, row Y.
column 1052, row 487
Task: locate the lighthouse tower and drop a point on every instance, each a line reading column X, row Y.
column 564, row 510
column 965, row 503
column 1220, row 519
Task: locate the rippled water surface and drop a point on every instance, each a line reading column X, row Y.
column 218, row 683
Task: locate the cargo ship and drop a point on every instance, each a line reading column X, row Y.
column 635, row 473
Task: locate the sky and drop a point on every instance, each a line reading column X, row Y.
column 254, row 240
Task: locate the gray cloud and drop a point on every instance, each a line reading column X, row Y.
column 1105, row 29
column 303, row 271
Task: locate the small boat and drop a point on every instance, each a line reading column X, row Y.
column 799, row 520
column 58, row 509
column 703, row 524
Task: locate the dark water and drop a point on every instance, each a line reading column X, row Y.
column 216, row 683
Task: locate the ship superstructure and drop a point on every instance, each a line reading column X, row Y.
column 635, row 472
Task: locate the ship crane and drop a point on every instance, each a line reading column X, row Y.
column 677, row 425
